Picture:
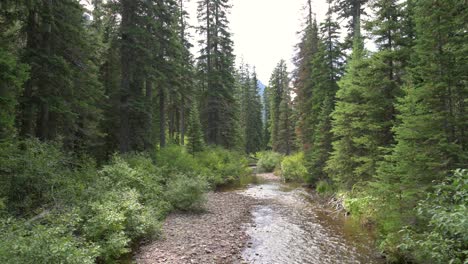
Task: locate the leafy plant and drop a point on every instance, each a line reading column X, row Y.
column 223, row 165
column 268, row 161
column 186, row 192
column 442, row 238
column 22, row 242
column 293, row 169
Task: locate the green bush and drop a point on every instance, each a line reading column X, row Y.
column 216, row 165
column 186, row 192
column 324, row 187
column 26, row 243
column 443, row 236
column 80, row 214
column 175, row 159
column 31, row 174
column 223, row 166
column 293, row 169
column 115, row 220
column 268, row 161
column 361, row 207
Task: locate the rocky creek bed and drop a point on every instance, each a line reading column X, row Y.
column 216, row 235
column 269, row 222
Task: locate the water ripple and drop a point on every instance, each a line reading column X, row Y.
column 290, row 229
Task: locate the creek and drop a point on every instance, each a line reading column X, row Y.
column 293, row 227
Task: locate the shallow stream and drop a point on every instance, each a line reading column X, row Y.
column 291, row 227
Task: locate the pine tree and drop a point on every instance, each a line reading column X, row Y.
column 303, row 83
column 216, row 62
column 358, row 120
column 317, row 157
column 62, row 95
column 151, row 57
column 431, row 132
column 286, row 139
column 351, row 10
column 327, row 67
column 13, row 74
column 266, row 119
column 194, row 131
column 254, row 129
column 281, row 120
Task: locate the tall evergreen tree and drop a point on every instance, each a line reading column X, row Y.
column 303, row 83
column 281, row 121
column 62, row 94
column 356, row 122
column 194, row 131
column 151, row 54
column 431, row 133
column 350, row 10
column 216, row 62
column 266, row 118
column 13, row 74
column 254, row 131
column 327, row 70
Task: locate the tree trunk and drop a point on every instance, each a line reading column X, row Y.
column 162, row 119
column 182, row 123
column 126, row 60
column 148, row 144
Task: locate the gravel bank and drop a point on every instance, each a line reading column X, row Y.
column 215, row 236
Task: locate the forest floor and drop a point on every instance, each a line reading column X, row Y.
column 216, row 235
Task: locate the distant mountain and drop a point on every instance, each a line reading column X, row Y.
column 261, row 87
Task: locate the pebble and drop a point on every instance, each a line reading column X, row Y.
column 220, row 227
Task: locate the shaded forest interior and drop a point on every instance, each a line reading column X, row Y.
column 108, row 122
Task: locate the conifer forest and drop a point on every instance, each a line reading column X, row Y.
column 131, row 134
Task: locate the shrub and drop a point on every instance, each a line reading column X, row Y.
column 293, row 169
column 30, row 172
column 79, row 214
column 360, row 207
column 268, row 161
column 443, row 236
column 186, row 192
column 21, row 242
column 136, row 172
column 175, row 159
column 115, row 220
column 324, row 187
column 222, row 166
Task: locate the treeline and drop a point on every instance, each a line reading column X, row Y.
column 108, row 122
column 120, row 76
column 384, row 128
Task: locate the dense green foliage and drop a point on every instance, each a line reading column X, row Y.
column 71, row 211
column 392, row 127
column 293, row 169
column 107, row 122
column 268, row 161
column 194, row 131
column 441, row 237
column 251, row 122
column 78, row 85
column 281, row 120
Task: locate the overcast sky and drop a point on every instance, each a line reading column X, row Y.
column 265, row 31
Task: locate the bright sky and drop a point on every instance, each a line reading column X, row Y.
column 265, row 31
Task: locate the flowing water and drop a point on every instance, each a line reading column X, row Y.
column 290, row 227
